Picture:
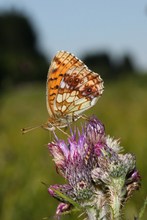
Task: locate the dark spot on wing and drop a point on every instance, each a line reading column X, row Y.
column 52, row 79
column 54, row 70
column 56, row 87
column 57, row 60
column 52, row 94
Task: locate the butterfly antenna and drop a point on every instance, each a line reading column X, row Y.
column 70, row 128
column 26, row 130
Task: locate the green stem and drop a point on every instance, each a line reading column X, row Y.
column 94, row 214
column 116, row 194
column 91, row 213
column 142, row 211
column 99, row 209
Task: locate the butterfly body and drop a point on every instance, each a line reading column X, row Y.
column 60, row 122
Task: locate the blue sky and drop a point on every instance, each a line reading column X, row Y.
column 82, row 26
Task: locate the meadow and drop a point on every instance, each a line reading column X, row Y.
column 25, row 161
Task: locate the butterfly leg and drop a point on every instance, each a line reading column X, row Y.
column 69, row 119
column 63, row 131
column 85, row 117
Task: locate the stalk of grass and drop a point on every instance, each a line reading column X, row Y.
column 142, row 210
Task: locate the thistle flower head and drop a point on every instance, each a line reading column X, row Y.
column 93, row 166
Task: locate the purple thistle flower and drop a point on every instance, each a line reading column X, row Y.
column 62, row 207
column 94, row 168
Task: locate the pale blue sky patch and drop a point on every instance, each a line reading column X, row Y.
column 81, row 25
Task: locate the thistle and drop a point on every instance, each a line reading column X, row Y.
column 100, row 179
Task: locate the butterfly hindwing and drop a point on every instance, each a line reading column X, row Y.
column 71, row 87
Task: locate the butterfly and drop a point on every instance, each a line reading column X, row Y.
column 71, row 88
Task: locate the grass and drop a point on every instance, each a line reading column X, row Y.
column 25, row 161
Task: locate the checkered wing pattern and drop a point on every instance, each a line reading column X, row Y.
column 71, row 87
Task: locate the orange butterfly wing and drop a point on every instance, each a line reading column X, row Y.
column 71, row 87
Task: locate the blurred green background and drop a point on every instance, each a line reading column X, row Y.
column 24, row 159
